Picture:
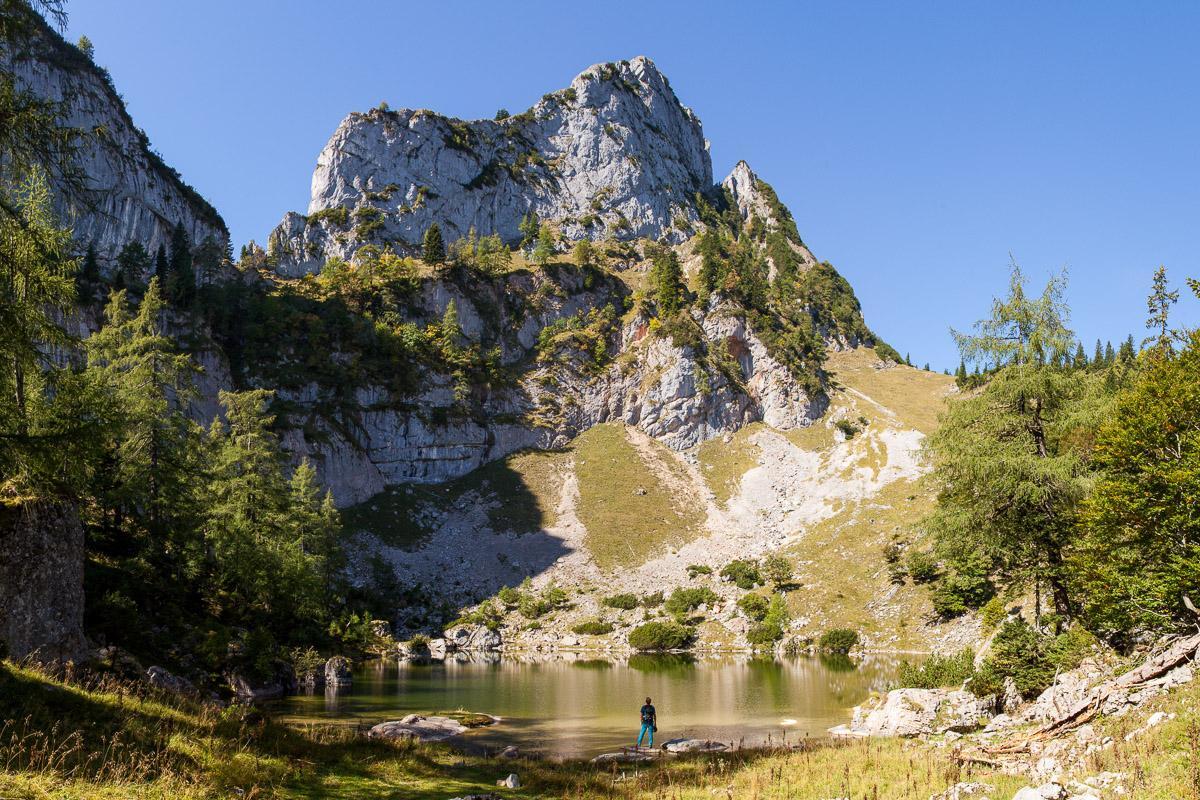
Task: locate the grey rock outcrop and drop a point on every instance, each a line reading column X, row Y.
column 418, row 728
column 918, row 712
column 161, row 678
column 133, row 195
column 337, row 672
column 614, row 153
column 41, row 581
column 473, row 637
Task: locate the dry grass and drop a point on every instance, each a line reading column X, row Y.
column 629, row 499
column 724, row 463
column 915, row 396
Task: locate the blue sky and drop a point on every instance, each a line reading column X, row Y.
column 917, row 145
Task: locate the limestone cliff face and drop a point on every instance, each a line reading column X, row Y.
column 614, row 153
column 134, row 196
column 672, row 391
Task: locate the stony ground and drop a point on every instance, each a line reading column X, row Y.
column 827, row 500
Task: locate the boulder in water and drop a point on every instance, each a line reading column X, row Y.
column 337, row 672
column 693, row 746
column 625, row 757
column 419, row 728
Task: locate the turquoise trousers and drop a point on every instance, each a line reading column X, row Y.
column 647, row 728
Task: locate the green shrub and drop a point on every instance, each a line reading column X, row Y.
column 660, row 636
column 937, row 671
column 509, row 596
column 848, row 428
column 684, row 600
column 744, row 574
column 961, row 589
column 993, row 612
column 764, row 634
column 593, row 627
column 1030, row 658
column 838, row 640
column 532, row 606
column 698, row 569
column 754, row 606
column 778, row 570
column 922, row 566
column 622, row 601
column 652, row 600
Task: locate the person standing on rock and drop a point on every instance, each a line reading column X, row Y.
column 649, row 724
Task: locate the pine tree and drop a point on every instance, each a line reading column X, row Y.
column 433, row 249
column 268, row 537
column 1159, row 306
column 1110, row 355
column 150, row 382
column 133, row 262
column 544, row 251
column 162, row 266
column 88, row 277
column 584, row 253
column 529, row 228
column 1098, row 356
column 36, row 284
column 710, row 263
column 86, row 47
column 960, row 374
column 666, row 276
column 1080, row 361
column 1128, row 352
column 181, row 275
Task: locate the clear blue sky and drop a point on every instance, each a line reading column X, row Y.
column 916, row 144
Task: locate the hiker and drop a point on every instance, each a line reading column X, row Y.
column 649, row 724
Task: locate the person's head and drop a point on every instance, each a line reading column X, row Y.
column 647, row 701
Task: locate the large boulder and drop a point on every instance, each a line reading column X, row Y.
column 418, row 728
column 693, row 746
column 472, row 637
column 337, row 672
column 918, row 712
column 161, row 678
column 252, row 691
column 41, row 581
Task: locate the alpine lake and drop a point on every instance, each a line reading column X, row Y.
column 577, row 705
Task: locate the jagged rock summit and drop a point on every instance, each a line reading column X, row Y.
column 615, row 153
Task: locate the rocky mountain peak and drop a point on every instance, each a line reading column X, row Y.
column 613, row 154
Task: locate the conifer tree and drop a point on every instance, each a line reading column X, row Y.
column 1110, row 355
column 1009, row 485
column 584, row 253
column 1128, row 352
column 710, row 262
column 181, row 276
column 1080, row 361
column 150, row 381
column 36, row 284
column 666, row 276
column 133, row 262
column 1159, row 306
column 1098, row 356
column 544, row 250
column 162, row 266
column 433, row 248
column 89, row 276
column 529, row 228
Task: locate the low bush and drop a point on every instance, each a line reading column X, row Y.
column 754, row 606
column 694, row 570
column 509, row 596
column 848, row 428
column 937, row 671
column 838, row 640
column 593, row 627
column 778, row 570
column 652, row 600
column 744, row 574
column 922, row 566
column 622, row 601
column 660, row 636
column 1031, row 658
column 764, row 634
column 684, row 600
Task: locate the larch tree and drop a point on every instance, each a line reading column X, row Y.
column 1008, row 480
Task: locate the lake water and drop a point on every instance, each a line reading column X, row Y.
column 574, row 707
